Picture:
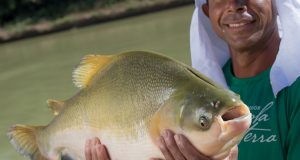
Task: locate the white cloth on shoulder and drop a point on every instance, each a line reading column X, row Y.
column 209, row 53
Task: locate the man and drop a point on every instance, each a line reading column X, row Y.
column 263, row 68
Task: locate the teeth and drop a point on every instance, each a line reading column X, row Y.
column 237, row 25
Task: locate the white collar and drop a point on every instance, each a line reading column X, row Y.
column 209, row 53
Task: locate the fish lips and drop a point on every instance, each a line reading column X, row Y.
column 234, row 122
column 234, row 125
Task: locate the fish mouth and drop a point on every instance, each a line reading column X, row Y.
column 236, row 113
column 235, row 122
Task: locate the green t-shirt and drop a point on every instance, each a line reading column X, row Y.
column 275, row 131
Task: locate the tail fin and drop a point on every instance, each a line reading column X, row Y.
column 23, row 138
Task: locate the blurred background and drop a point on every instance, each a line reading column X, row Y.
column 38, row 66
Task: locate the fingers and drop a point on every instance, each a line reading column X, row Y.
column 88, row 150
column 94, row 150
column 178, row 147
column 234, row 153
column 163, row 148
column 103, row 153
column 187, row 149
column 172, row 146
column 95, row 143
column 156, row 159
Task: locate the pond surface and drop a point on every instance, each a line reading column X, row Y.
column 37, row 69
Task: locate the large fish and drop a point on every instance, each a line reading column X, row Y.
column 128, row 100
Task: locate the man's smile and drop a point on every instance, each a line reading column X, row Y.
column 239, row 26
column 238, row 22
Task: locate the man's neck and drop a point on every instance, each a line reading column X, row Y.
column 252, row 62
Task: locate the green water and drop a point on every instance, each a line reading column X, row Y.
column 36, row 69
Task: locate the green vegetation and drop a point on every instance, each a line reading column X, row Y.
column 26, row 18
column 33, row 11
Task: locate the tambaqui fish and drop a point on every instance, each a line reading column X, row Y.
column 128, row 100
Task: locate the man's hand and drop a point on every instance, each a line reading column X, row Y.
column 94, row 150
column 178, row 147
column 173, row 147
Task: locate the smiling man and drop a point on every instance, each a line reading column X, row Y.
column 237, row 44
column 250, row 30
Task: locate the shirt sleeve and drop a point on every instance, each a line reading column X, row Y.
column 292, row 128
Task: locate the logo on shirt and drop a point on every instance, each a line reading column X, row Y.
column 261, row 134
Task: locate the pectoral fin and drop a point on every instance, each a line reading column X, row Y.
column 55, row 105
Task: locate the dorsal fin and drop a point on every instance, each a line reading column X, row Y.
column 55, row 105
column 88, row 67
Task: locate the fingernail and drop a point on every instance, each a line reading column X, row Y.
column 159, row 142
column 98, row 146
column 88, row 142
column 166, row 133
column 177, row 138
column 97, row 140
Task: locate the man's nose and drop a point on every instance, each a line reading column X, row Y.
column 237, row 5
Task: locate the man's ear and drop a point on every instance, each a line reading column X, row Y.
column 205, row 9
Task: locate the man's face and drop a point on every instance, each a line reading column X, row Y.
column 243, row 24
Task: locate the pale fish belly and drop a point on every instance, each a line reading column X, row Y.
column 72, row 142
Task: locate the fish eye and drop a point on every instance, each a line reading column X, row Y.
column 203, row 122
column 65, row 157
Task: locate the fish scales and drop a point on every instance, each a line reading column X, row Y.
column 128, row 99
